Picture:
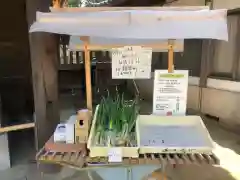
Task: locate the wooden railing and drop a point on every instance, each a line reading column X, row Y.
column 69, row 59
column 74, row 61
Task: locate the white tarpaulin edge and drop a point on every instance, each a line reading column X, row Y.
column 136, row 24
column 153, row 8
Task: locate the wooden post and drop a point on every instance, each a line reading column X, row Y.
column 87, row 72
column 170, row 56
column 44, row 57
column 56, row 3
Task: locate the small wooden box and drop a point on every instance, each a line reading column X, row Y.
column 82, row 125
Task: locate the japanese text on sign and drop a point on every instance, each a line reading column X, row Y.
column 170, row 92
column 131, row 62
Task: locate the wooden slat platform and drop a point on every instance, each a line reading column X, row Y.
column 80, row 160
column 162, row 158
column 77, row 159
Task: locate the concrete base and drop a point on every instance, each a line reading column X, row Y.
column 4, row 152
column 193, row 101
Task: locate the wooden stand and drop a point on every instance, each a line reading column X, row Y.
column 88, row 67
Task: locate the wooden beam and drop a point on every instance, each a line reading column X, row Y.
column 170, row 56
column 155, row 46
column 43, row 49
column 56, row 3
column 17, row 127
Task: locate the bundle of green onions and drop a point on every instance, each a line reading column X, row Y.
column 115, row 121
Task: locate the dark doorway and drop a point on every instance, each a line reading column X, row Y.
column 15, row 73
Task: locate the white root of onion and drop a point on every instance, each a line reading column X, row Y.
column 97, row 138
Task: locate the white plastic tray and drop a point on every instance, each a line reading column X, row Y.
column 172, row 134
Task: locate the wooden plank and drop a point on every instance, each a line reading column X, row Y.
column 44, row 60
column 215, row 158
column 170, row 56
column 56, row 3
column 192, row 158
column 170, row 159
column 74, row 157
column 45, row 155
column 163, row 159
column 200, row 158
column 155, row 159
column 186, row 159
column 87, row 72
column 52, row 156
column 155, row 46
column 58, row 157
column 17, row 127
column 81, row 160
column 178, row 159
column 67, row 157
column 39, row 153
column 126, row 161
column 147, row 158
column 208, row 159
column 141, row 159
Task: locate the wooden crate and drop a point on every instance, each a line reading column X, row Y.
column 97, row 151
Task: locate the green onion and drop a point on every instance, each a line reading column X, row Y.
column 116, row 120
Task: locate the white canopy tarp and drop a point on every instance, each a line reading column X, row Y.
column 152, row 8
column 136, row 24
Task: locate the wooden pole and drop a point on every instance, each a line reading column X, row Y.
column 56, row 3
column 17, row 127
column 44, row 58
column 170, row 56
column 87, row 72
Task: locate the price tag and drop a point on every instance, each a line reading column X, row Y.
column 115, row 155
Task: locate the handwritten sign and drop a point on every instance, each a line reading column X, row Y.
column 131, row 62
column 170, row 92
column 115, row 155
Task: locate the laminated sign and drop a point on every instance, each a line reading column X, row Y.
column 131, row 62
column 170, row 92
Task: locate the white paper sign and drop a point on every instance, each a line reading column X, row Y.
column 170, row 92
column 115, row 155
column 131, row 62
